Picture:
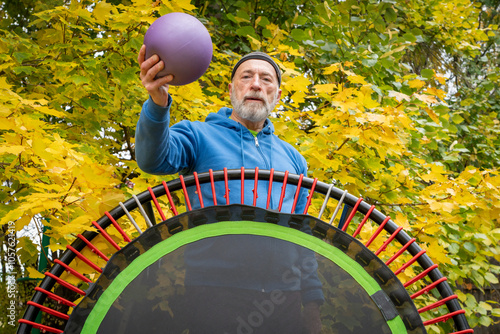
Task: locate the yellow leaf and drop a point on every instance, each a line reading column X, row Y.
column 357, row 79
column 429, row 99
column 400, row 48
column 416, row 83
column 52, row 205
column 50, row 111
column 297, row 83
column 399, row 96
column 438, row 253
column 4, row 84
column 325, row 88
column 33, row 273
column 22, row 222
column 441, row 79
column 110, row 199
column 184, row 5
column 101, row 11
column 433, row 115
column 443, row 206
column 332, row 68
column 436, row 92
column 12, row 149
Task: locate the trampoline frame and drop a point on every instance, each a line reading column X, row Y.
column 143, row 201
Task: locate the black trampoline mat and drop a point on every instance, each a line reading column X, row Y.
column 244, row 277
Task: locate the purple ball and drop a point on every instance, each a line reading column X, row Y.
column 184, row 45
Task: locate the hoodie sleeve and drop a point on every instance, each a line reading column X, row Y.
column 159, row 148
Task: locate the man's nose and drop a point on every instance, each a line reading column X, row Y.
column 256, row 84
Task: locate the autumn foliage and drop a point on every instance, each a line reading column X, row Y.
column 395, row 101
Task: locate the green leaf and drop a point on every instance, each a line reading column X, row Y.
column 263, row 21
column 21, row 56
column 300, row 20
column 457, row 119
column 490, row 278
column 427, row 73
column 379, row 25
column 390, row 14
column 246, row 31
column 470, row 247
column 299, row 35
column 410, row 37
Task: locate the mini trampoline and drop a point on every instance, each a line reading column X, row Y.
column 239, row 268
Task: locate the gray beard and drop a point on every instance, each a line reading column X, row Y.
column 251, row 112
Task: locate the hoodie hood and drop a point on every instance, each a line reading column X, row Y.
column 222, row 118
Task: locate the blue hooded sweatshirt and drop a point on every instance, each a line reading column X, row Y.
column 219, row 142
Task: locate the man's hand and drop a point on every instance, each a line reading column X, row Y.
column 312, row 318
column 157, row 88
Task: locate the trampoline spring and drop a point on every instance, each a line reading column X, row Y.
column 444, row 318
column 41, row 327
column 271, row 176
column 420, row 276
column 141, row 209
column 73, row 271
column 84, row 259
column 242, row 178
column 428, row 288
column 363, row 222
column 157, row 205
column 93, row 248
column 129, row 216
column 169, row 197
column 198, row 189
column 325, row 201
column 255, row 186
column 226, row 186
column 65, row 284
column 212, row 184
column 401, row 251
column 57, row 298
column 186, row 196
column 283, row 189
column 409, row 263
column 50, row 311
column 117, row 227
column 388, row 241
column 353, row 212
column 437, row 304
column 309, row 198
column 297, row 193
column 377, row 232
column 339, row 204
column 106, row 236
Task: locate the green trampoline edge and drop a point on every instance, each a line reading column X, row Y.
column 178, row 240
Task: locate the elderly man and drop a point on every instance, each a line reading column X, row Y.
column 231, row 138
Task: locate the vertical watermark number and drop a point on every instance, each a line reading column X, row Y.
column 11, row 274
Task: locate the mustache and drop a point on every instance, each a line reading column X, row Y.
column 255, row 96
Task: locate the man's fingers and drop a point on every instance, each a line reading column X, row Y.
column 166, row 79
column 149, row 65
column 142, row 55
column 149, row 74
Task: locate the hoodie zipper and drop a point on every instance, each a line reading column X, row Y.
column 260, row 151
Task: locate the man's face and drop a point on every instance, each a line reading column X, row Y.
column 254, row 90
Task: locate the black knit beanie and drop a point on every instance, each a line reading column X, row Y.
column 261, row 56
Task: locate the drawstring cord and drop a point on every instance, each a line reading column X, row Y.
column 273, row 204
column 241, row 146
